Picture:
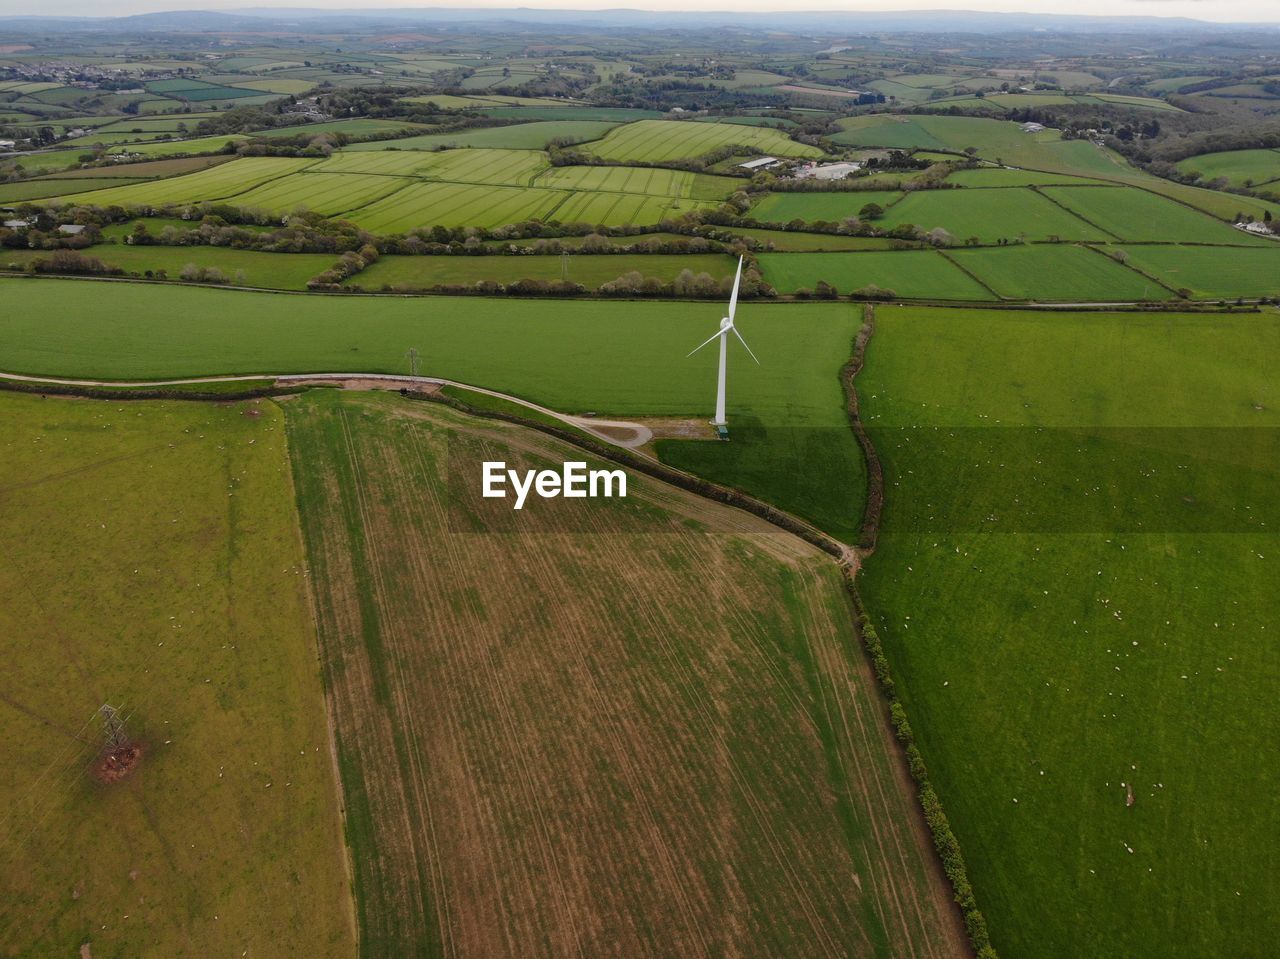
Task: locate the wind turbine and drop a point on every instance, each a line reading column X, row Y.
column 726, row 327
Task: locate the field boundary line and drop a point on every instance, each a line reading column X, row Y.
column 969, row 273
column 1078, row 216
column 949, row 859
column 1128, row 264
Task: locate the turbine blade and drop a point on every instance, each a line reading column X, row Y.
column 703, row 343
column 744, row 343
column 733, row 297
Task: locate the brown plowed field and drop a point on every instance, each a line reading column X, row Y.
column 595, row 728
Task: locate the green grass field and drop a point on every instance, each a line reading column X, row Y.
column 812, row 242
column 39, row 189
column 422, row 272
column 1052, row 272
column 918, row 274
column 813, row 207
column 456, row 204
column 1000, row 177
column 655, row 141
column 508, row 167
column 1237, row 167
column 327, row 193
column 360, row 126
column 1212, row 271
column 990, row 215
column 653, row 181
column 1050, row 653
column 176, row 147
column 268, row 271
column 153, row 561
column 1138, row 216
column 520, row 136
column 219, row 182
column 792, row 443
column 999, row 140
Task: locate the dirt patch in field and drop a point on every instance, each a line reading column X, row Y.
column 118, row 764
column 675, row 428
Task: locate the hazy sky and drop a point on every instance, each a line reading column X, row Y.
column 1220, row 10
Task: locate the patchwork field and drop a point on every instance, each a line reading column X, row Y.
column 153, row 561
column 793, row 446
column 216, row 183
column 1238, row 167
column 999, row 140
column 268, row 271
column 653, row 181
column 1210, row 271
column 1057, row 272
column 422, row 272
column 1075, row 584
column 815, row 207
column 656, row 141
column 456, row 204
column 550, row 790
column 989, row 215
column 325, row 193
column 919, row 274
column 1139, row 216
column 520, row 136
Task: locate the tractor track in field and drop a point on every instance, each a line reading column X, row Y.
column 605, row 430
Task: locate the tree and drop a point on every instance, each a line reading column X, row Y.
column 872, row 211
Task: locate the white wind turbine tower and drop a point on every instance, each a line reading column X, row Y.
column 726, row 327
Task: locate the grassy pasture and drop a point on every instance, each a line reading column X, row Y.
column 812, row 207
column 512, row 167
column 359, row 126
column 790, row 241
column 1120, row 636
column 325, row 193
column 920, row 274
column 154, row 562
column 38, row 189
column 793, row 445
column 653, row 181
column 38, row 162
column 1237, row 167
column 990, row 215
column 578, row 764
column 576, row 113
column 176, row 147
column 456, row 204
column 1000, row 140
column 1136, row 215
column 619, row 209
column 216, row 183
column 1000, row 177
column 520, row 136
column 1056, row 272
column 420, row 272
column 655, row 141
column 145, row 169
column 268, row 271
column 1212, row 271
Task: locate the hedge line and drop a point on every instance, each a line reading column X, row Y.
column 944, row 840
column 142, row 392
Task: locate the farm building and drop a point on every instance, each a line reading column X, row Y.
column 828, row 171
column 760, row 163
column 1032, row 127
